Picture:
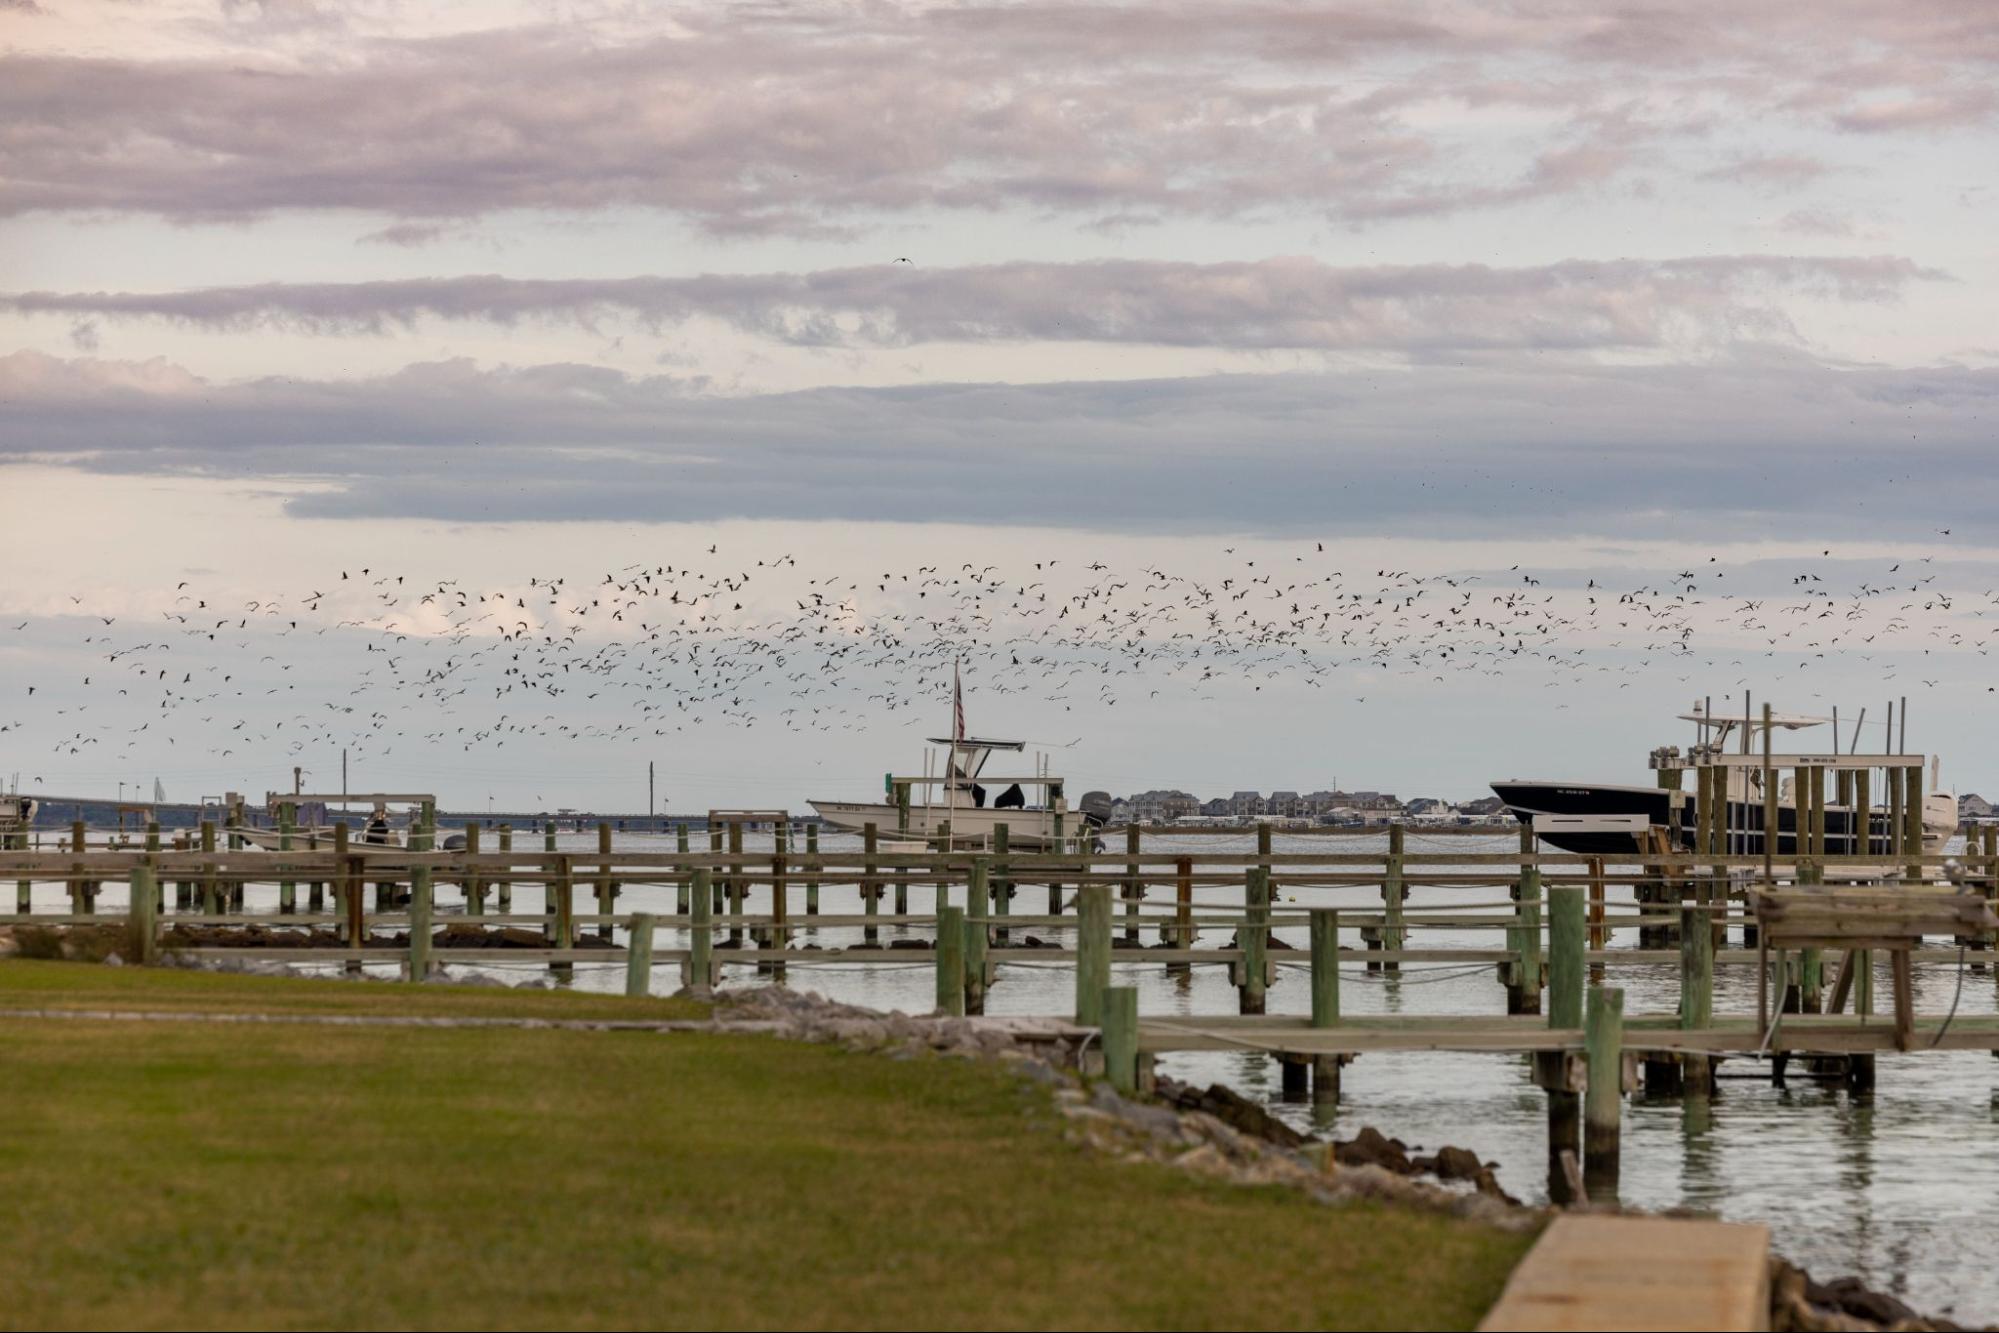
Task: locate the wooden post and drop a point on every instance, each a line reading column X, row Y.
column 1325, row 938
column 871, row 888
column 812, row 876
column 638, row 956
column 562, row 916
column 1183, row 910
column 1603, row 1104
column 1863, row 813
column 419, row 923
column 738, row 890
column 1119, row 1005
column 680, row 884
column 607, row 888
column 1134, row 883
column 1253, row 940
column 1002, row 881
column 1565, row 956
column 951, row 961
column 701, row 935
column 210, row 885
column 1093, row 952
column 24, row 889
column 142, row 935
column 778, row 936
column 347, row 891
column 287, row 888
column 79, row 893
column 1394, row 890
column 977, row 895
column 504, row 898
column 1523, row 988
column 1598, row 932
column 475, row 892
column 1912, row 804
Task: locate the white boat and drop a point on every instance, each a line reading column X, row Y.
column 959, row 800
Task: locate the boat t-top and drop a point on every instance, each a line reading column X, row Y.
column 378, row 833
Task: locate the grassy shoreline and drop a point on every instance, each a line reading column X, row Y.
column 166, row 1175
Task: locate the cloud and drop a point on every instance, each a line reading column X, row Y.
column 1759, row 445
column 1275, row 303
column 806, row 119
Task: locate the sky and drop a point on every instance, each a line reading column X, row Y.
column 1661, row 333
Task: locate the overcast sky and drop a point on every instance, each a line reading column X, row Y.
column 498, row 291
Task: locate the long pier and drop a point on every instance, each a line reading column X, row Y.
column 1549, row 923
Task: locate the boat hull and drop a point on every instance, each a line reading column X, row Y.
column 1607, row 819
column 970, row 825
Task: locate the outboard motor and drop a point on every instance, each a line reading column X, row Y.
column 1095, row 807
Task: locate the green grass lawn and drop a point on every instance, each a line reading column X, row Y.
column 167, row 1174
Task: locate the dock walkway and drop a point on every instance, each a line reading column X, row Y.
column 1590, row 1271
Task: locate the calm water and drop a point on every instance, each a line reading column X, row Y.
column 1893, row 1186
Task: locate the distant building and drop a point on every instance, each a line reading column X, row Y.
column 1246, row 804
column 1973, row 806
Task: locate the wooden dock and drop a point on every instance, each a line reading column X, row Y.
column 1592, row 1271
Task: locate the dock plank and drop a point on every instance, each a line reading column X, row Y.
column 1590, row 1271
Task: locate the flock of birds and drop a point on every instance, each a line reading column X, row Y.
column 369, row 659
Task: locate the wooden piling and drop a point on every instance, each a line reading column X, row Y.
column 1134, row 883
column 607, row 888
column 475, row 892
column 1394, row 892
column 1603, row 1101
column 1119, row 1006
column 211, row 887
column 977, row 895
column 562, row 914
column 1093, row 951
column 701, row 934
column 812, row 875
column 142, row 917
column 871, row 887
column 638, row 955
column 951, row 961
column 1002, row 881
column 1523, row 979
column 778, row 935
column 1325, row 943
column 1565, row 956
column 287, row 888
column 1253, row 939
column 420, row 920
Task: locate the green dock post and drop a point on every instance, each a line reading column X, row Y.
column 701, row 935
column 1696, row 970
column 977, row 894
column 1253, row 941
column 1325, row 926
column 1093, row 952
column 951, row 961
column 1603, row 1097
column 1566, row 935
column 1119, row 1006
column 419, row 923
column 562, row 914
column 638, row 956
column 1325, row 935
column 142, row 938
